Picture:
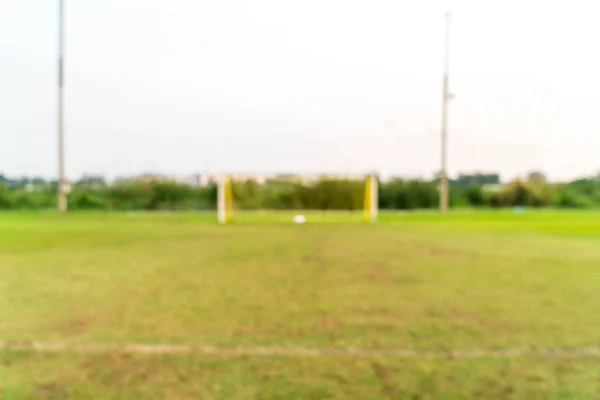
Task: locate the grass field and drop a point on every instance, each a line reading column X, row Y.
column 416, row 281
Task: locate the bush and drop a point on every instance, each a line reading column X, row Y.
column 88, row 200
column 329, row 194
column 474, row 196
column 6, row 198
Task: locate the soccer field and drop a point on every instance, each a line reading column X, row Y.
column 418, row 306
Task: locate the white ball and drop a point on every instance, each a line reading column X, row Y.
column 299, row 219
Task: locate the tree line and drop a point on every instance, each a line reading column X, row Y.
column 471, row 191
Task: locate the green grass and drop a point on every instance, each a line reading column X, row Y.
column 416, row 280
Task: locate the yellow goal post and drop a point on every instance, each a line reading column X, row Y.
column 225, row 198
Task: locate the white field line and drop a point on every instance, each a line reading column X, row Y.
column 64, row 347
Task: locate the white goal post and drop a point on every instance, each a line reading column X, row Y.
column 225, row 209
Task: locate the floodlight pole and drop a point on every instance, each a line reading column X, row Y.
column 446, row 96
column 62, row 184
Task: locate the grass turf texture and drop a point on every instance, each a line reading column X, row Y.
column 418, row 281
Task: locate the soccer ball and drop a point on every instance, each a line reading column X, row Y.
column 299, row 219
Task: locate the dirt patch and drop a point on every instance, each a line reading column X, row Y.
column 49, row 391
column 76, row 326
column 380, row 273
column 117, row 369
column 326, row 322
column 383, row 274
column 312, row 258
column 78, row 321
column 450, row 253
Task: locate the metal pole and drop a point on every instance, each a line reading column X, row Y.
column 62, row 189
column 445, row 98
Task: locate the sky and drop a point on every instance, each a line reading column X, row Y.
column 332, row 86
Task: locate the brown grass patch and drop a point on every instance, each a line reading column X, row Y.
column 49, row 391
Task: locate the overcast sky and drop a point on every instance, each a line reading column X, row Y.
column 184, row 86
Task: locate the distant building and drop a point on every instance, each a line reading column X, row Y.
column 477, row 179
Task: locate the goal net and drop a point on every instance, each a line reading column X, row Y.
column 243, row 195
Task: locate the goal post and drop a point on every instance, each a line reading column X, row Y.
column 224, row 199
column 370, row 204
